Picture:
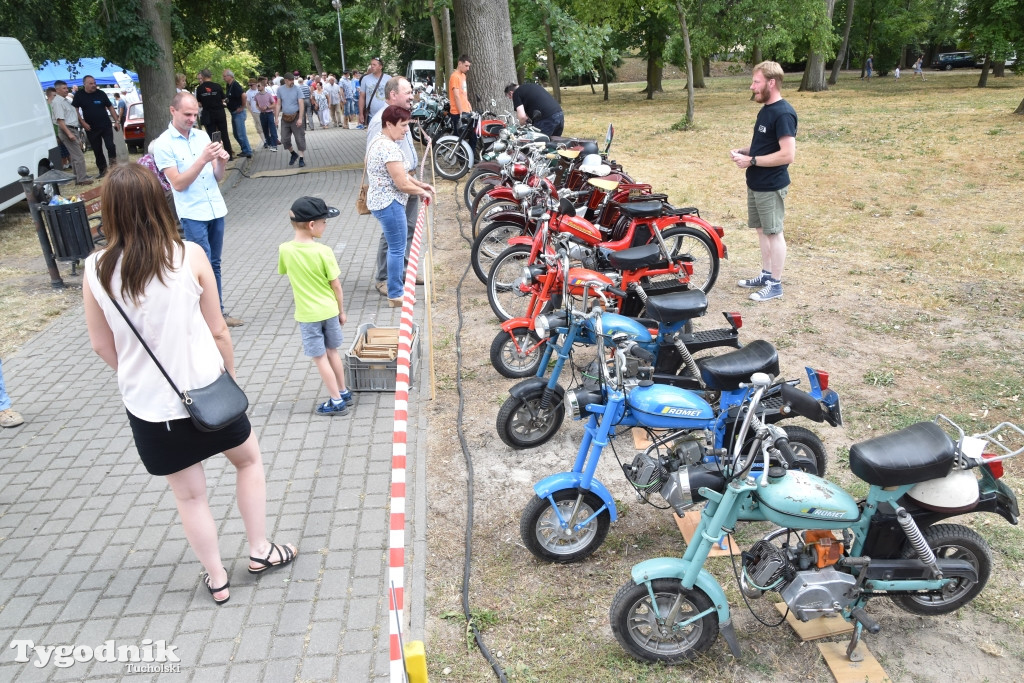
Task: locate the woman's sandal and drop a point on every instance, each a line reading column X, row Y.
column 209, row 586
column 283, row 551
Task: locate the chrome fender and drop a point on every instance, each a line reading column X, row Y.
column 571, row 480
column 675, row 568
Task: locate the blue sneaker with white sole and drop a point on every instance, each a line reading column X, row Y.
column 771, row 290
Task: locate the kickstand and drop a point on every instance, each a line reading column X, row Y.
column 851, row 653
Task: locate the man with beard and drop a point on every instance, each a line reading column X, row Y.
column 767, row 160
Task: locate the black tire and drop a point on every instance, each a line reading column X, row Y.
column 489, row 209
column 636, row 627
column 451, row 158
column 522, row 424
column 806, row 443
column 488, row 245
column 950, row 541
column 480, row 179
column 683, row 239
column 506, row 299
column 540, row 532
column 516, row 355
column 948, row 67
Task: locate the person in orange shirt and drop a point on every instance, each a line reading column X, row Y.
column 459, row 99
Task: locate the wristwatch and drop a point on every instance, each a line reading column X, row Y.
column 753, row 161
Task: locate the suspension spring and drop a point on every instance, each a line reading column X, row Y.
column 639, row 292
column 916, row 538
column 691, row 366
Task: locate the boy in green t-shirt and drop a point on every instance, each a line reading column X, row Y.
column 313, row 273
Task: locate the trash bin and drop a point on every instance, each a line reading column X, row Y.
column 68, row 225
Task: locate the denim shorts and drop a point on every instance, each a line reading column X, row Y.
column 318, row 337
column 766, row 210
column 351, row 107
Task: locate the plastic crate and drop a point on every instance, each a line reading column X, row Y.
column 375, row 374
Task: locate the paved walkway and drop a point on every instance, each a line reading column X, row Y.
column 91, row 548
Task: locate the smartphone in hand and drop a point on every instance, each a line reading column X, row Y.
column 215, row 137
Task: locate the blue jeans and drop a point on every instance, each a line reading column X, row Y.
column 269, row 128
column 238, row 130
column 411, row 213
column 5, row 400
column 210, row 236
column 393, row 223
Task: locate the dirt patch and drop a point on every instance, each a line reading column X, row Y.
column 900, row 283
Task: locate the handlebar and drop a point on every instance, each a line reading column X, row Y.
column 641, row 353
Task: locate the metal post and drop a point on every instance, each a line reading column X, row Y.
column 341, row 42
column 44, row 240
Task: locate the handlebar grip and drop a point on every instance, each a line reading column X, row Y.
column 862, row 617
column 788, row 455
column 617, row 292
column 641, row 353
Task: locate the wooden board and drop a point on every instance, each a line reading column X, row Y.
column 868, row 670
column 688, row 524
column 822, row 627
column 640, row 440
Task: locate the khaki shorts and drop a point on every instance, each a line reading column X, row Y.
column 766, row 211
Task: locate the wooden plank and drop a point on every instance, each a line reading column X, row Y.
column 688, row 524
column 822, row 627
column 640, row 440
column 868, row 670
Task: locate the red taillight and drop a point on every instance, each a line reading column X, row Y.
column 822, row 379
column 996, row 468
column 734, row 318
column 719, row 230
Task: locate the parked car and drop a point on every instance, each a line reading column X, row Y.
column 947, row 61
column 135, row 128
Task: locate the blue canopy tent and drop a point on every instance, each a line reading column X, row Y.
column 74, row 73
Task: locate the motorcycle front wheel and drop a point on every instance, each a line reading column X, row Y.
column 488, row 245
column 656, row 635
column 480, row 180
column 516, row 354
column 490, row 208
column 544, row 537
column 806, row 443
column 522, row 424
column 950, row 542
column 452, row 157
column 507, row 300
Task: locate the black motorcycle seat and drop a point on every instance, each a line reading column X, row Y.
column 645, row 209
column 727, row 371
column 671, row 308
column 636, row 257
column 918, row 453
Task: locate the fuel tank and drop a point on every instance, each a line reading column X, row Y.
column 577, row 277
column 804, row 501
column 666, row 407
column 579, row 228
column 613, row 323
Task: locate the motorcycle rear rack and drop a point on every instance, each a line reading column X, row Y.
column 711, row 339
column 990, row 438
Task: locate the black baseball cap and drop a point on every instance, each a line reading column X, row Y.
column 306, row 209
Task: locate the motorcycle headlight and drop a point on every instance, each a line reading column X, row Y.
column 577, row 401
column 498, row 146
column 542, row 326
column 521, row 190
column 504, row 158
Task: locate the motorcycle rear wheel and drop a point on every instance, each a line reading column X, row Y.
column 513, row 362
column 682, row 240
column 635, row 624
column 521, row 425
column 542, row 534
column 950, row 541
column 488, row 245
column 806, row 443
column 480, row 180
column 452, row 158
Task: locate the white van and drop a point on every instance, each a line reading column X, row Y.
column 26, row 131
column 418, row 70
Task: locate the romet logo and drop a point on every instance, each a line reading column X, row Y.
column 159, row 657
column 681, row 412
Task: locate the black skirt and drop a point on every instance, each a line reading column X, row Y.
column 169, row 447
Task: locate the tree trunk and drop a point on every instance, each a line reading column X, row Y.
column 1020, row 108
column 447, row 59
column 556, row 87
column 157, row 80
column 983, row 81
column 484, row 33
column 814, row 74
column 604, row 77
column 755, row 56
column 520, row 70
column 655, row 63
column 315, row 54
column 699, row 72
column 999, row 68
column 690, row 75
column 706, row 61
column 435, row 28
column 841, row 55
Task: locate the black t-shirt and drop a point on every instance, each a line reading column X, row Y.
column 774, row 121
column 94, row 108
column 235, row 93
column 211, row 99
column 536, row 101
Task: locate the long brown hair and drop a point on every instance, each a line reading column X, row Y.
column 140, row 230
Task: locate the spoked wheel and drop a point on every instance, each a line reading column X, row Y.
column 682, row 240
column 652, row 630
column 491, row 208
column 543, row 534
column 507, row 299
column 523, row 423
column 452, row 158
column 950, row 541
column 489, row 244
column 480, row 180
column 517, row 354
column 806, row 443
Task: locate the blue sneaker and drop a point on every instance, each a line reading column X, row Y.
column 756, row 282
column 771, row 290
column 332, row 407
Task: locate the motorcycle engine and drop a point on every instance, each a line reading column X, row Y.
column 667, row 475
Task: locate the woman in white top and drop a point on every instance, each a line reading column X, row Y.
column 166, row 287
column 390, row 185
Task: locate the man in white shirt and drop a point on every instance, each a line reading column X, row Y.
column 66, row 118
column 254, row 110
